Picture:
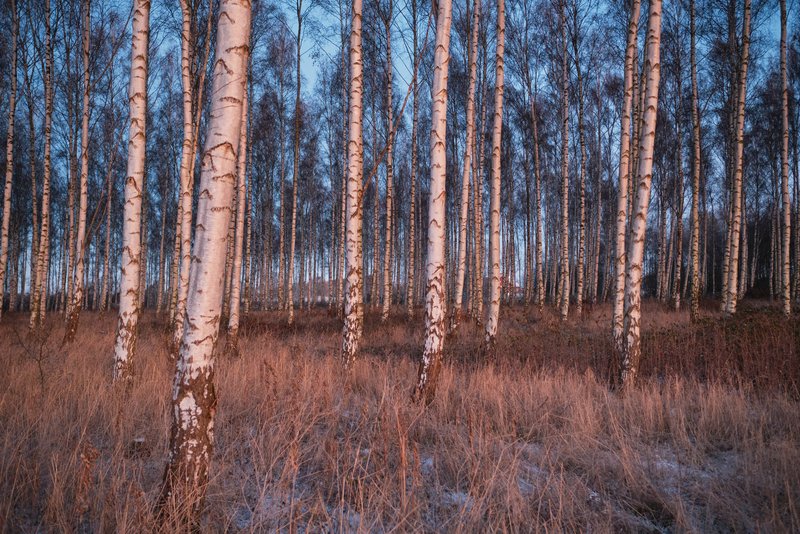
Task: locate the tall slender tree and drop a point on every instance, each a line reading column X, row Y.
column 435, row 302
column 193, row 394
column 129, row 301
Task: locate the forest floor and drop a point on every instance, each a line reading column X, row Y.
column 536, row 441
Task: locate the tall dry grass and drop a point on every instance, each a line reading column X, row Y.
column 536, row 442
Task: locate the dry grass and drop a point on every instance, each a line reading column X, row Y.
column 537, row 442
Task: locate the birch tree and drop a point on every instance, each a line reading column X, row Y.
column 83, row 191
column 467, row 162
column 232, row 340
column 564, row 278
column 354, row 300
column 387, row 257
column 494, row 204
column 125, row 344
column 641, row 204
column 787, row 211
column 631, row 55
column 193, row 394
column 435, row 303
column 39, row 291
column 732, row 288
column 695, row 216
column 12, row 109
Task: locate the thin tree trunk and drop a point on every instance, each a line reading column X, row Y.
column 12, row 109
column 564, row 278
column 193, row 397
column 296, row 171
column 581, row 173
column 78, row 287
column 435, row 302
column 412, row 214
column 633, row 282
column 695, row 305
column 494, row 208
column 39, row 294
column 354, row 301
column 736, row 219
column 787, row 214
column 468, row 150
column 232, row 341
column 387, row 257
column 125, row 344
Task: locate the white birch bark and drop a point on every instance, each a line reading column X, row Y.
column 644, row 179
column 695, row 216
column 618, row 320
column 435, row 304
column 39, row 293
column 787, row 211
column 12, row 109
column 732, row 291
column 467, row 162
column 564, row 278
column 125, row 344
column 354, row 302
column 83, row 191
column 232, row 340
column 193, row 395
column 494, row 202
column 387, row 257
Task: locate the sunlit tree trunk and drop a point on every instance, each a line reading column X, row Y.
column 387, row 257
column 193, row 396
column 412, row 212
column 695, row 216
column 633, row 282
column 125, row 344
column 435, row 303
column 467, row 163
column 731, row 296
column 354, row 302
column 78, row 283
column 296, row 172
column 787, row 212
column 184, row 227
column 494, row 205
column 620, row 256
column 232, row 341
column 39, row 293
column 564, row 278
column 582, row 170
column 12, row 109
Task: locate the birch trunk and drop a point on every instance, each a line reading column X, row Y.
column 12, row 109
column 787, row 214
column 232, row 341
column 633, row 282
column 296, row 172
column 581, row 173
column 39, row 294
column 564, row 278
column 387, row 257
column 468, row 149
column 354, row 301
column 494, row 208
column 731, row 297
column 78, row 283
column 695, row 296
column 412, row 212
column 193, row 397
column 435, row 303
column 125, row 344
column 620, row 256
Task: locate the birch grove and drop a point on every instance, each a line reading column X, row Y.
column 544, row 134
